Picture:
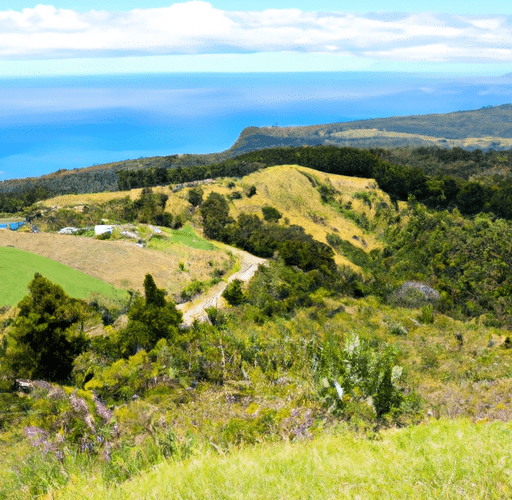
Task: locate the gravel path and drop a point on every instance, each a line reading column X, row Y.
column 196, row 310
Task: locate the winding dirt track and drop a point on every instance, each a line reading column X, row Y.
column 196, row 310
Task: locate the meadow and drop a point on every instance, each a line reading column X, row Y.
column 445, row 459
column 17, row 268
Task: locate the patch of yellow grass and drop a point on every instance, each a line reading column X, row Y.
column 290, row 191
column 76, row 200
column 479, row 142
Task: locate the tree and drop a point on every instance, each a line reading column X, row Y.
column 150, row 320
column 271, row 214
column 195, row 196
column 234, row 293
column 215, row 212
column 46, row 339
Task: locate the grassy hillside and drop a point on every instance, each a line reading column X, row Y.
column 443, row 459
column 311, row 380
column 17, row 268
column 121, row 263
column 291, row 189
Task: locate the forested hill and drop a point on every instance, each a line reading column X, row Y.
column 486, row 128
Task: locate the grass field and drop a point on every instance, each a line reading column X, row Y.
column 185, row 236
column 18, row 267
column 122, row 263
column 443, row 460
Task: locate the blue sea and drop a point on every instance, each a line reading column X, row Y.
column 48, row 124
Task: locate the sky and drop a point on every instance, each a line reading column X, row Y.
column 95, row 37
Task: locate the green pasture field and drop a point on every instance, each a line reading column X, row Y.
column 17, row 268
column 184, row 236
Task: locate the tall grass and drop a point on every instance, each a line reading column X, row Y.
column 444, row 460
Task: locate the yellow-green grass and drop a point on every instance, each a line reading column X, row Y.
column 17, row 268
column 187, row 236
column 442, row 460
column 475, row 142
column 287, row 189
column 76, row 200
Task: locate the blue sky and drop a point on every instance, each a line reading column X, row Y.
column 71, row 37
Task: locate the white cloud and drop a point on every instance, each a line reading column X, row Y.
column 196, row 27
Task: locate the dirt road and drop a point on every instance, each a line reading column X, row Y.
column 196, row 309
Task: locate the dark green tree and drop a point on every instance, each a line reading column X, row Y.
column 271, row 214
column 150, row 320
column 195, row 196
column 234, row 293
column 45, row 335
column 215, row 212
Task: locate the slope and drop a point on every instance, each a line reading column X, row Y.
column 17, row 268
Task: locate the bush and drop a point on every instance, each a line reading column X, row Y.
column 234, row 293
column 360, row 373
column 334, row 239
column 195, row 196
column 271, row 214
column 195, row 287
column 427, row 314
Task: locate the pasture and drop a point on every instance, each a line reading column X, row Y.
column 17, row 268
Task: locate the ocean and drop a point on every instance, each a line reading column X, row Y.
column 47, row 124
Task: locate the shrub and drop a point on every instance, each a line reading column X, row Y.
column 271, row 214
column 195, row 287
column 235, row 195
column 334, row 239
column 234, row 293
column 427, row 314
column 195, row 196
column 360, row 373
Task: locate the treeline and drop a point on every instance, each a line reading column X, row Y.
column 132, row 179
column 12, row 203
column 399, row 181
column 458, row 162
column 331, row 159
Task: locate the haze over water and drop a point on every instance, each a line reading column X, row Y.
column 71, row 122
